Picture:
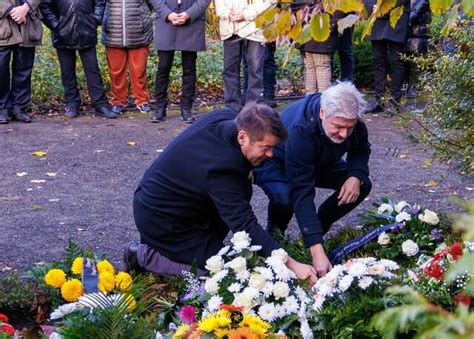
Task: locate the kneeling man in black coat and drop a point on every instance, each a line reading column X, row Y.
column 199, row 188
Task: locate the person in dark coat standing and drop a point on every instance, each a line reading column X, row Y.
column 73, row 24
column 20, row 33
column 388, row 44
column 322, row 128
column 180, row 26
column 417, row 41
column 199, row 188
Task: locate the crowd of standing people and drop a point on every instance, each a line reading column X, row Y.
column 128, row 32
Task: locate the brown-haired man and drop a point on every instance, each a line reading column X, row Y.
column 198, row 189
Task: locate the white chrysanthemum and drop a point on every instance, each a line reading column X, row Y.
column 400, row 206
column 403, row 216
column 238, row 264
column 234, row 287
column 242, row 276
column 280, row 312
column 305, row 330
column 267, row 289
column 410, row 248
column 265, row 272
column 357, row 269
column 335, row 272
column 281, row 290
column 283, row 273
column 365, row 282
column 223, row 251
column 211, row 286
column 412, row 275
column 214, row 303
column 318, row 302
column 383, row 239
column 220, row 275
column 215, row 264
column 302, row 295
column 240, row 240
column 385, row 209
column 376, row 269
column 429, row 217
column 345, row 282
column 280, row 254
column 251, row 292
column 257, row 280
column 64, row 310
column 291, row 305
column 390, row 264
column 267, row 312
column 324, row 289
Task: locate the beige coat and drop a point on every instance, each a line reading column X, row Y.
column 247, row 28
column 27, row 35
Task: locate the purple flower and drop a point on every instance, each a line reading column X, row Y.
column 436, row 235
column 187, row 314
column 415, row 210
column 397, row 228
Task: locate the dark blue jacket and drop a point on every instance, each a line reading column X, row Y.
column 200, row 175
column 307, row 152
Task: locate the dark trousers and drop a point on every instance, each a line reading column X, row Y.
column 15, row 87
column 346, row 56
column 255, row 52
column 280, row 210
column 386, row 53
column 188, row 60
column 95, row 85
column 269, row 72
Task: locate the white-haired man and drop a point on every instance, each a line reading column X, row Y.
column 322, row 128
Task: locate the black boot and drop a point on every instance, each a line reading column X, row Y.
column 187, row 116
column 21, row 116
column 106, row 112
column 130, row 258
column 160, row 114
column 3, row 116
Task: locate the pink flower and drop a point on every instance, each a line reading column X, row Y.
column 188, row 314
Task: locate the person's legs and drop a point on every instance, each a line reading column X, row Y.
column 397, row 67
column 95, row 85
column 163, row 77
column 310, row 78
column 117, row 62
column 346, row 55
column 137, row 62
column 255, row 56
column 67, row 62
column 269, row 73
column 379, row 49
column 5, row 57
column 189, row 81
column 323, row 70
column 231, row 72
column 280, row 209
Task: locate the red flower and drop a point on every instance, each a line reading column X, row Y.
column 8, row 329
column 232, row 308
column 462, row 298
column 3, row 318
column 434, row 271
column 456, row 250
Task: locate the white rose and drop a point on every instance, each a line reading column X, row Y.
column 241, row 299
column 240, row 240
column 410, row 248
column 280, row 254
column 211, row 286
column 257, row 280
column 383, row 239
column 429, row 217
column 403, row 216
column 385, row 208
column 238, row 264
column 281, row 290
column 400, row 206
column 215, row 264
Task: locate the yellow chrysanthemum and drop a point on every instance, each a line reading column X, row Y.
column 55, row 278
column 220, row 319
column 180, row 331
column 123, row 282
column 255, row 323
column 106, row 282
column 77, row 265
column 105, row 266
column 72, row 290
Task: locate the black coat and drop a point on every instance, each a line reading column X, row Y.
column 382, row 29
column 418, row 32
column 199, row 183
column 331, row 44
column 73, row 23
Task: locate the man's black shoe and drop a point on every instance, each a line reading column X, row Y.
column 187, row 116
column 21, row 116
column 4, row 117
column 130, row 258
column 70, row 112
column 106, row 112
column 160, row 114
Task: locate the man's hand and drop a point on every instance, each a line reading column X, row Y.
column 236, row 16
column 302, row 271
column 350, row 191
column 19, row 13
column 175, row 19
column 183, row 17
column 321, row 262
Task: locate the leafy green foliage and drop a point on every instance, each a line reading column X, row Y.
column 15, row 295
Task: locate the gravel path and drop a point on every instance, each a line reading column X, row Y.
column 82, row 189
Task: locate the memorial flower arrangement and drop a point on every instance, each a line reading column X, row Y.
column 6, row 330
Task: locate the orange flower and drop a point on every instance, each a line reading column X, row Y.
column 232, row 308
column 242, row 333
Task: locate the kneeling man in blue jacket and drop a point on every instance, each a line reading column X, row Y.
column 322, row 129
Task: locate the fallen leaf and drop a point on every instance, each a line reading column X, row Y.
column 53, row 200
column 9, row 130
column 29, row 189
column 98, row 151
column 39, row 263
column 6, row 268
column 159, row 150
column 39, row 154
column 51, row 174
column 431, row 183
column 21, row 174
column 469, row 188
column 131, row 143
column 37, row 181
column 428, row 163
column 81, row 229
column 403, row 156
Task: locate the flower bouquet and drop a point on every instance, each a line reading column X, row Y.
column 6, row 330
